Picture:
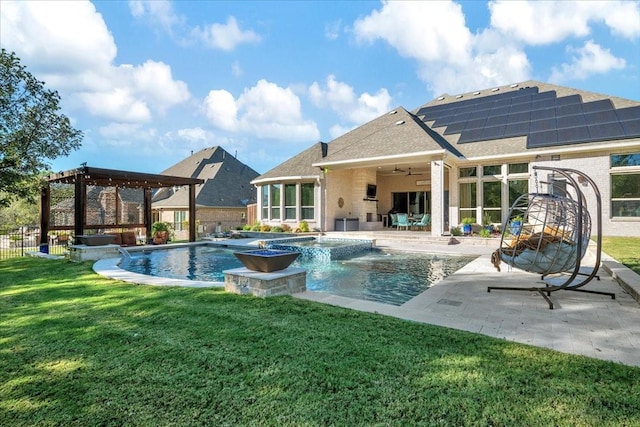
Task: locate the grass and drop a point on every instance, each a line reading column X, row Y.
column 77, row 349
column 624, row 249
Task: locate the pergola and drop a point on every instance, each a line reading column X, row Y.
column 86, row 176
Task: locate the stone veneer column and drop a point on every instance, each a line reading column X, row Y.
column 437, row 197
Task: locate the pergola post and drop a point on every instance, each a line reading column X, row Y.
column 79, row 205
column 192, row 212
column 45, row 203
column 147, row 213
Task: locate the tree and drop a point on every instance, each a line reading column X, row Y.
column 32, row 130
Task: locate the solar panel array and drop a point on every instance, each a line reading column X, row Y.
column 543, row 117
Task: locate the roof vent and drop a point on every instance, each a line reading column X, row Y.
column 476, row 92
column 495, row 89
column 400, row 122
column 441, row 98
column 392, row 112
column 514, row 85
column 458, row 96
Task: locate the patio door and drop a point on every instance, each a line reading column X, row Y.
column 412, row 202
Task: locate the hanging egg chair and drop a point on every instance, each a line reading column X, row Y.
column 548, row 233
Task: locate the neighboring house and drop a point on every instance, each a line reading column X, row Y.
column 468, row 155
column 110, row 207
column 221, row 202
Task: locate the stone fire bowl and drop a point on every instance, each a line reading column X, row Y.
column 266, row 260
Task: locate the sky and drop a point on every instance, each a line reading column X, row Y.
column 149, row 82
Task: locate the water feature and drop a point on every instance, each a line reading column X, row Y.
column 387, row 277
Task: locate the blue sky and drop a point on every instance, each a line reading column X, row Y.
column 149, row 82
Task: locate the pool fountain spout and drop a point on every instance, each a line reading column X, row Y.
column 266, row 260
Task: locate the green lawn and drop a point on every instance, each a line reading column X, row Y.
column 77, row 349
column 624, row 249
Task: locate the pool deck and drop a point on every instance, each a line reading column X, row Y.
column 581, row 323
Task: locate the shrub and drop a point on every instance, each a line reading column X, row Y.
column 256, row 227
column 456, row 231
column 485, row 233
column 276, row 229
column 265, row 228
column 286, row 228
column 304, row 226
column 247, row 227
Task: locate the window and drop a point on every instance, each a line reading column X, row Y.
column 491, row 201
column 290, row 201
column 265, row 202
column 625, row 185
column 468, row 199
column 517, row 187
column 275, row 201
column 491, row 170
column 413, row 202
column 467, row 172
column 307, row 200
column 518, row 168
column 179, row 219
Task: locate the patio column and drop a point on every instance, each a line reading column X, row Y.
column 80, row 189
column 192, row 212
column 437, row 197
column 45, row 214
column 147, row 214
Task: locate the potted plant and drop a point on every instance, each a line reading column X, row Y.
column 466, row 224
column 516, row 225
column 160, row 232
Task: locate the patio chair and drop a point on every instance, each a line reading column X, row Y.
column 403, row 221
column 394, row 220
column 424, row 222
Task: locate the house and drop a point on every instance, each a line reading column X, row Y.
column 221, row 201
column 466, row 155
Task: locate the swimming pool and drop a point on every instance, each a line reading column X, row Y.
column 382, row 276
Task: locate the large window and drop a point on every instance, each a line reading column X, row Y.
column 468, row 203
column 265, row 202
column 307, row 200
column 491, row 202
column 275, row 201
column 290, row 201
column 625, row 185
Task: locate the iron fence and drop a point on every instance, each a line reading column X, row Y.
column 19, row 242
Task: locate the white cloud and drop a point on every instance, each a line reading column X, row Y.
column 586, row 61
column 158, row 11
column 341, row 98
column 68, row 45
column 225, row 36
column 236, row 69
column 265, row 111
column 544, row 22
column 126, row 134
column 426, row 31
column 332, row 30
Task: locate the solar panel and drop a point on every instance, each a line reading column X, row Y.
column 573, row 135
column 571, row 121
column 631, row 127
column 542, row 125
column 601, row 117
column 569, row 100
column 630, row 113
column 516, row 129
column 470, row 136
column 543, row 117
column 568, row 110
column 543, row 114
column 542, row 139
column 524, row 116
column 602, row 105
column 494, row 132
column 606, row 131
column 497, row 120
column 455, row 128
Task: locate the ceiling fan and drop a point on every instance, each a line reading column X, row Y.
column 410, row 173
column 396, row 169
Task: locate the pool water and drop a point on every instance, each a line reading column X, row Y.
column 382, row 276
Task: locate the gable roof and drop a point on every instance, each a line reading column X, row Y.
column 299, row 166
column 227, row 181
